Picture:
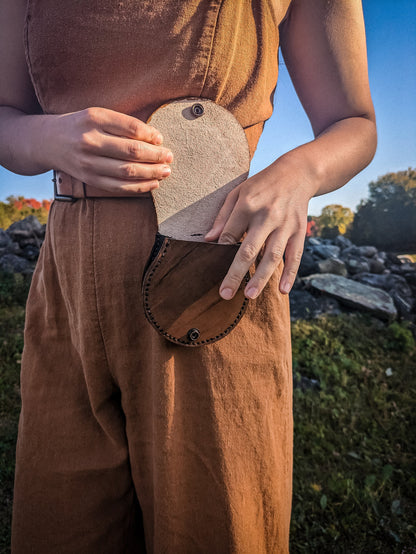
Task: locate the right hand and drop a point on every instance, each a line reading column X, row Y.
column 109, row 150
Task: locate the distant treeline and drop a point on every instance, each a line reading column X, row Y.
column 17, row 208
column 386, row 219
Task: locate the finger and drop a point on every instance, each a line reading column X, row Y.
column 293, row 256
column 271, row 259
column 133, row 150
column 245, row 257
column 223, row 216
column 100, row 165
column 124, row 125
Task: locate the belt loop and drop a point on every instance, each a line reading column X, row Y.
column 62, row 197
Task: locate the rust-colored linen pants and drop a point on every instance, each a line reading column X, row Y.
column 128, row 443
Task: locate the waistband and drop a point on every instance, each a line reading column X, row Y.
column 68, row 189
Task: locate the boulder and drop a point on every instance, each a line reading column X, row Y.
column 367, row 251
column 376, row 264
column 354, row 294
column 332, row 265
column 15, row 264
column 342, row 242
column 26, row 228
column 326, row 250
column 5, row 239
column 357, row 265
column 307, row 264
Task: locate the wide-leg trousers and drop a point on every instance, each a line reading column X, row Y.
column 128, row 443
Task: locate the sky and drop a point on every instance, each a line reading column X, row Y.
column 391, row 47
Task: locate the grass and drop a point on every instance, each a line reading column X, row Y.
column 13, row 293
column 355, row 440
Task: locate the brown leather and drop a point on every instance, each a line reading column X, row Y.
column 181, row 291
column 68, row 186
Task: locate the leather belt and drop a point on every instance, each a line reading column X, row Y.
column 69, row 189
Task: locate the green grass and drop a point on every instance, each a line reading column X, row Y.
column 355, row 439
column 13, row 293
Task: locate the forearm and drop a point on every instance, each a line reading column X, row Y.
column 24, row 142
column 335, row 156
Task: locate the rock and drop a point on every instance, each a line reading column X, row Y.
column 326, row 250
column 31, row 252
column 410, row 278
column 367, row 251
column 307, row 264
column 376, row 264
column 314, row 241
column 332, row 265
column 304, row 305
column 354, row 294
column 5, row 239
column 15, row 264
column 32, row 241
column 342, row 242
column 392, row 259
column 24, row 229
column 305, row 383
column 396, row 286
column 403, row 303
column 357, row 265
column 385, row 281
column 349, row 251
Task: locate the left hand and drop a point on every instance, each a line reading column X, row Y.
column 271, row 207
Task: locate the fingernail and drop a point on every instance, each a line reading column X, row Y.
column 285, row 287
column 169, row 157
column 252, row 292
column 226, row 294
column 166, row 171
column 210, row 233
column 158, row 139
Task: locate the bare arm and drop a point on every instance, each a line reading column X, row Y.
column 99, row 146
column 323, row 43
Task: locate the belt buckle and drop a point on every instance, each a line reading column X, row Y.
column 62, row 197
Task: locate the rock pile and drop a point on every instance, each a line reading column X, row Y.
column 20, row 245
column 334, row 275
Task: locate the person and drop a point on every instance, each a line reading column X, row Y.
column 126, row 442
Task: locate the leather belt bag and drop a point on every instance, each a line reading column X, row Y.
column 180, row 286
column 184, row 272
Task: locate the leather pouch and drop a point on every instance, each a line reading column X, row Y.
column 181, row 282
column 180, row 291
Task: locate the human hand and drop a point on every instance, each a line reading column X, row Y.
column 271, row 207
column 109, row 150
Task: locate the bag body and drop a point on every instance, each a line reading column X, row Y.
column 181, row 291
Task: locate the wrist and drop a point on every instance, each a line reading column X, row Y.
column 302, row 171
column 44, row 144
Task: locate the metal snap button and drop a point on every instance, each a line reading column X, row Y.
column 197, row 110
column 193, row 334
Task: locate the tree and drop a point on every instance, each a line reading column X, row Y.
column 17, row 208
column 334, row 220
column 387, row 219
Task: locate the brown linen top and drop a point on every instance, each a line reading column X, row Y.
column 134, row 55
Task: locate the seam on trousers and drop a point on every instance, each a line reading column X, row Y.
column 95, row 290
column 214, row 30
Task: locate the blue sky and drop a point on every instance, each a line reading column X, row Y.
column 391, row 43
